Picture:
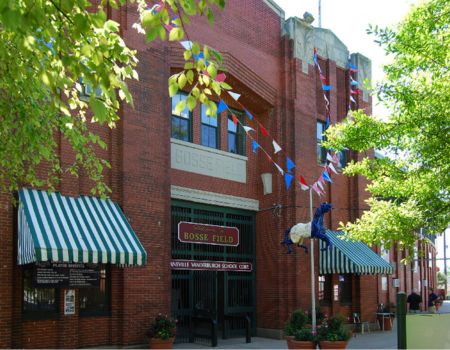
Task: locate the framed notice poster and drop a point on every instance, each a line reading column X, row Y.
column 69, row 302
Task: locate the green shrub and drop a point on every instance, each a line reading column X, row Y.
column 334, row 329
column 304, row 334
column 297, row 321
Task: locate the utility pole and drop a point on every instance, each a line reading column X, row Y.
column 320, row 13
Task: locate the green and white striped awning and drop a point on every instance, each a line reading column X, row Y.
column 84, row 229
column 350, row 257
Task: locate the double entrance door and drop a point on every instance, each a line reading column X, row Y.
column 222, row 296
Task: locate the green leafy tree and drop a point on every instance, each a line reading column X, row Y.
column 410, row 187
column 52, row 51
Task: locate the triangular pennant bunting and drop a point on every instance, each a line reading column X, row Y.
column 289, row 164
column 332, row 168
column 263, row 130
column 247, row 129
column 276, row 147
column 279, row 168
column 316, row 189
column 335, row 159
column 288, row 179
column 303, row 183
column 221, row 107
column 255, row 146
column 320, row 185
column 327, row 87
column 352, row 99
column 329, row 157
column 234, row 95
column 326, row 176
column 235, row 120
column 249, row 115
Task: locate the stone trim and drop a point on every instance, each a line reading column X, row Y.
column 213, row 198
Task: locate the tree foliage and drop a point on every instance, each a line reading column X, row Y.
column 53, row 51
column 410, row 187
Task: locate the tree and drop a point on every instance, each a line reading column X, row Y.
column 51, row 51
column 410, row 187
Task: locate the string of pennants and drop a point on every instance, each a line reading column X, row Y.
column 332, row 159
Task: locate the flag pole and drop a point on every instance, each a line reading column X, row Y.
column 313, row 289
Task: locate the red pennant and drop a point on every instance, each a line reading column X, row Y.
column 263, row 130
column 235, row 120
column 324, row 80
column 221, row 77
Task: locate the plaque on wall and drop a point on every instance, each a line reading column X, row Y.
column 66, row 275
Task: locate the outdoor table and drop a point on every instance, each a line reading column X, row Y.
column 383, row 315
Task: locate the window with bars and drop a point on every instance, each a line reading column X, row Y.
column 181, row 121
column 37, row 302
column 236, row 135
column 95, row 301
column 209, row 129
column 321, row 151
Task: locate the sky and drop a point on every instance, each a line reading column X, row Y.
column 349, row 19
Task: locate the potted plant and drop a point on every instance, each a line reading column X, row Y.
column 333, row 333
column 298, row 334
column 162, row 332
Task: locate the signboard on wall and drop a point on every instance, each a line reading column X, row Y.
column 65, row 275
column 69, row 302
column 189, row 232
column 211, row 265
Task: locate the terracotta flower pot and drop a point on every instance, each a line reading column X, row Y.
column 300, row 344
column 339, row 344
column 156, row 343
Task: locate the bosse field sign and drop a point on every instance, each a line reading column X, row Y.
column 189, row 232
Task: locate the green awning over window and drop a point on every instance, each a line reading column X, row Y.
column 350, row 257
column 84, row 229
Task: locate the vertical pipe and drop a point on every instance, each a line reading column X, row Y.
column 401, row 320
column 313, row 289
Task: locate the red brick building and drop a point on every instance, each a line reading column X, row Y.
column 168, row 168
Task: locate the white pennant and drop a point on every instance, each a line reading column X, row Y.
column 333, row 169
column 320, row 185
column 276, row 146
column 329, row 157
column 279, row 168
column 234, row 95
column 352, row 99
column 247, row 129
column 186, row 44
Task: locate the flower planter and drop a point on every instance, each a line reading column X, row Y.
column 156, row 343
column 299, row 344
column 339, row 344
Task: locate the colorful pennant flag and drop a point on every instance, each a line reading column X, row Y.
column 320, row 185
column 304, row 186
column 276, row 147
column 234, row 95
column 316, row 189
column 352, row 99
column 335, row 159
column 249, row 115
column 326, row 176
column 353, row 82
column 263, row 130
column 279, row 168
column 333, row 169
column 221, row 107
column 186, row 44
column 247, row 129
column 329, row 157
column 255, row 146
column 289, row 164
column 235, row 120
column 288, row 179
column 327, row 87
column 221, row 77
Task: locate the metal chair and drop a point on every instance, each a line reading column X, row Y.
column 359, row 325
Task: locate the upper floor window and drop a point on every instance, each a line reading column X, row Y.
column 321, row 151
column 236, row 136
column 181, row 121
column 343, row 158
column 210, row 129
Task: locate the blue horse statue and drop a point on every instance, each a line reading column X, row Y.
column 315, row 229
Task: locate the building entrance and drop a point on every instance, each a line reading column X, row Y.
column 223, row 296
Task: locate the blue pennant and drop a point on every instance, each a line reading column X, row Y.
column 249, row 115
column 352, row 66
column 255, row 146
column 289, row 164
column 326, row 176
column 288, row 179
column 221, row 107
column 327, row 87
column 354, row 82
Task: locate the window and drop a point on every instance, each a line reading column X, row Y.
column 37, row 302
column 325, row 289
column 236, row 139
column 343, row 158
column 95, row 301
column 321, row 151
column 210, row 130
column 181, row 122
column 86, row 89
column 345, row 289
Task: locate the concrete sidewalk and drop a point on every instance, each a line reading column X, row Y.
column 373, row 340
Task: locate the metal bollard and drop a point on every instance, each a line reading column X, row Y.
column 401, row 320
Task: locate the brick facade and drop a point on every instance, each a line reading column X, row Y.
column 262, row 66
